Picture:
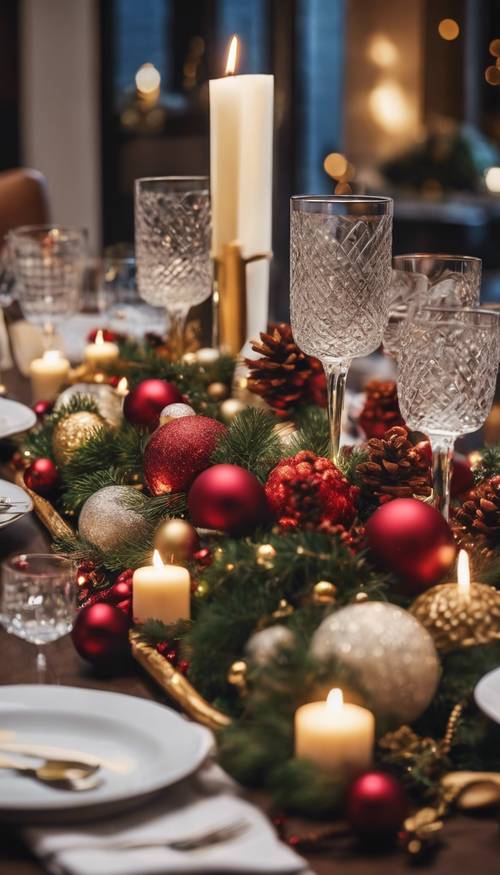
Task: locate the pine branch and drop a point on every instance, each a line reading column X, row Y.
column 126, row 554
column 160, row 507
column 155, row 632
column 251, row 443
column 489, row 465
column 80, row 487
column 348, row 461
column 39, row 439
column 313, row 434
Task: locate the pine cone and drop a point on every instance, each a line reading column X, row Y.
column 479, row 516
column 396, row 467
column 381, row 409
column 282, row 376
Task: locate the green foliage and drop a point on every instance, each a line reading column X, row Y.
column 157, row 508
column 39, row 439
column 313, row 433
column 77, row 488
column 126, row 554
column 251, row 442
column 155, row 632
column 489, row 465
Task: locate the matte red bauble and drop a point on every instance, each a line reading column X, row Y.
column 42, row 477
column 228, row 498
column 100, row 634
column 179, row 451
column 413, row 541
column 41, row 408
column 376, row 806
column 143, row 405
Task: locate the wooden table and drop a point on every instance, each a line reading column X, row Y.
column 470, row 844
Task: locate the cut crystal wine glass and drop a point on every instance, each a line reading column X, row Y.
column 340, row 251
column 172, row 244
column 447, row 369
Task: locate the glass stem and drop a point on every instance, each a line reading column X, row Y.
column 41, row 667
column 442, row 466
column 48, row 335
column 336, row 376
column 177, row 323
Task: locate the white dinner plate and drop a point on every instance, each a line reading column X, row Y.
column 487, row 694
column 145, row 747
column 21, row 503
column 15, row 417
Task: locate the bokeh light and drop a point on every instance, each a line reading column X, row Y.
column 492, row 75
column 147, row 79
column 382, row 51
column 492, row 179
column 448, row 29
column 335, row 165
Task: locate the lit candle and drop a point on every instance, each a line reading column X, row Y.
column 161, row 592
column 48, row 375
column 102, row 352
column 463, row 578
column 241, row 150
column 336, row 736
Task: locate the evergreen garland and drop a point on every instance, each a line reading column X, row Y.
column 489, row 465
column 251, row 442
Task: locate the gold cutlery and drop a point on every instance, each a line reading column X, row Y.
column 65, row 774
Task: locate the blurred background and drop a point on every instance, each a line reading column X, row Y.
column 380, row 96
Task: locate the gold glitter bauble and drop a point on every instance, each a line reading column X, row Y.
column 456, row 621
column 72, row 432
column 237, row 674
column 217, row 391
column 176, row 540
column 324, row 593
column 265, row 555
column 230, row 408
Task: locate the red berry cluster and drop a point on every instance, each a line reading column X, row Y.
column 171, row 651
column 119, row 594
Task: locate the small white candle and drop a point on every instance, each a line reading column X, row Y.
column 161, row 592
column 48, row 375
column 102, row 352
column 336, row 736
column 463, row 578
column 122, row 388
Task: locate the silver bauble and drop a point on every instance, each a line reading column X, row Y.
column 264, row 646
column 389, row 652
column 109, row 403
column 175, row 411
column 105, row 519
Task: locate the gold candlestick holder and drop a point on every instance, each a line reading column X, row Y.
column 230, row 297
column 455, row 621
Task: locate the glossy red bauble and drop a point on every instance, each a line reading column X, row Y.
column 41, row 408
column 413, row 541
column 100, row 634
column 120, row 590
column 228, row 498
column 42, row 477
column 143, row 405
column 376, row 806
column 462, row 478
column 179, row 451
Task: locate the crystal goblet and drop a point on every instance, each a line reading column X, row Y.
column 340, row 250
column 447, row 369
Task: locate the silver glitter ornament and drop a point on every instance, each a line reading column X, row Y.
column 388, row 651
column 264, row 646
column 105, row 519
column 175, row 411
column 109, row 403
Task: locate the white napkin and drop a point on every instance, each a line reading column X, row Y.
column 203, row 802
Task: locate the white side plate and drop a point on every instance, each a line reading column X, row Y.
column 21, row 503
column 15, row 417
column 487, row 694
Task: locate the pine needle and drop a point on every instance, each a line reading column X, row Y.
column 251, row 443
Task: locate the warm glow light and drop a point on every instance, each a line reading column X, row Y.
column 382, row 51
column 389, row 106
column 122, row 387
column 335, row 165
column 232, row 56
column 147, row 79
column 157, row 560
column 448, row 29
column 51, row 355
column 335, row 701
column 492, row 179
column 463, row 576
column 492, row 75
column 475, row 458
column 99, row 338
column 495, row 48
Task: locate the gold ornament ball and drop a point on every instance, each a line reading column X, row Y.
column 237, row 674
column 265, row 555
column 455, row 621
column 72, row 432
column 217, row 391
column 324, row 593
column 230, row 408
column 176, row 540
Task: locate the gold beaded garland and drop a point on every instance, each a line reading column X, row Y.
column 176, row 540
column 72, row 432
column 324, row 593
column 217, row 391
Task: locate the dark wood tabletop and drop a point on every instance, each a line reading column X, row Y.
column 470, row 844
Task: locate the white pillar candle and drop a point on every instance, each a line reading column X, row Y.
column 102, row 352
column 338, row 737
column 161, row 592
column 48, row 375
column 241, row 161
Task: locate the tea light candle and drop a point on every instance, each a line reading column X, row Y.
column 338, row 737
column 161, row 592
column 102, row 352
column 48, row 375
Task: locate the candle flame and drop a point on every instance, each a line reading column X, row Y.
column 99, row 338
column 232, row 56
column 51, row 355
column 122, row 387
column 335, row 701
column 463, row 575
column 157, row 560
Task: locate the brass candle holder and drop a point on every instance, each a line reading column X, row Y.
column 230, row 297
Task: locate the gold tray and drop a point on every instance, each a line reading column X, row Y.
column 172, row 682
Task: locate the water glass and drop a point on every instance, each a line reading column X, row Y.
column 447, row 369
column 339, row 286
column 38, row 600
column 172, row 245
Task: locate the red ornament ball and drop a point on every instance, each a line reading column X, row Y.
column 228, row 498
column 462, row 477
column 143, row 405
column 41, row 408
column 107, row 335
column 100, row 634
column 120, row 590
column 413, row 541
column 309, row 491
column 179, row 451
column 42, row 477
column 376, row 806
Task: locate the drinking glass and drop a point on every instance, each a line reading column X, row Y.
column 48, row 262
column 434, row 280
column 447, row 368
column 340, row 252
column 38, row 600
column 172, row 245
